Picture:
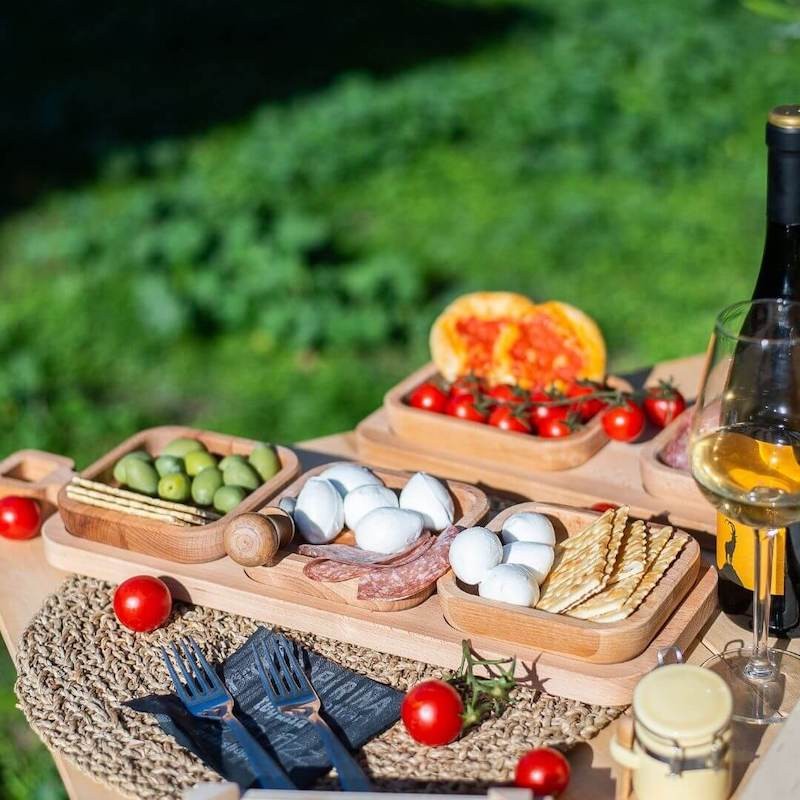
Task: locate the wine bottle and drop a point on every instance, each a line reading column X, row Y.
column 779, row 277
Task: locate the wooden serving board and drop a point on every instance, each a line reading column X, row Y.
column 163, row 539
column 458, row 437
column 611, row 476
column 600, row 643
column 420, row 633
column 471, row 506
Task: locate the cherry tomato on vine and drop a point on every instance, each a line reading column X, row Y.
column 506, row 419
column 142, row 603
column 544, row 770
column 429, row 397
column 431, row 713
column 19, row 517
column 624, row 422
column 541, row 413
column 586, row 409
column 464, row 407
column 663, row 403
column 507, row 394
column 466, row 385
column 554, row 429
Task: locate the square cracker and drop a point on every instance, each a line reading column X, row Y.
column 632, row 558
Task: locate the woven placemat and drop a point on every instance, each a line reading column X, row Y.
column 77, row 665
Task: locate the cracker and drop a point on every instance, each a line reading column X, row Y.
column 615, row 543
column 611, row 598
column 632, row 558
column 579, row 540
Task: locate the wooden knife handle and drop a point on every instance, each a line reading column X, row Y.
column 254, row 539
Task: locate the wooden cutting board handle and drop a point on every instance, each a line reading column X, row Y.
column 36, row 474
column 253, row 539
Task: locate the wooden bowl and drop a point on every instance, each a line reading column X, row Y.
column 596, row 642
column 154, row 537
column 458, row 437
column 471, row 506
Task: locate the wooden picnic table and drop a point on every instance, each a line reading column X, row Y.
column 28, row 580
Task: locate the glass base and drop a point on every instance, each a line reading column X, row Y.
column 759, row 701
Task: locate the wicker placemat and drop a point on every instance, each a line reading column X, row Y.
column 77, row 665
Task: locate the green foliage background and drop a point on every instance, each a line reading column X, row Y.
column 274, row 276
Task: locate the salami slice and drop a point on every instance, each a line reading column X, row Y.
column 415, row 576
column 350, row 554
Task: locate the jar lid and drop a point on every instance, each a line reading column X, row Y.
column 683, row 702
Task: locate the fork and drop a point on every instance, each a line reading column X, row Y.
column 205, row 696
column 291, row 692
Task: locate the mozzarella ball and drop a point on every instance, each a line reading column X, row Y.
column 528, row 526
column 538, row 558
column 510, row 583
column 388, row 530
column 359, row 502
column 346, row 477
column 287, row 504
column 430, row 497
column 473, row 553
column 319, row 511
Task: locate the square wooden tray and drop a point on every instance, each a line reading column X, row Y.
column 471, row 506
column 154, row 537
column 595, row 642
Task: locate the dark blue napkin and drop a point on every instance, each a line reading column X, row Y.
column 357, row 709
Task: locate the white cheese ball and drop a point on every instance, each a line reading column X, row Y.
column 528, row 526
column 359, row 502
column 428, row 496
column 510, row 583
column 388, row 530
column 538, row 558
column 473, row 553
column 319, row 511
column 346, row 477
column 288, row 504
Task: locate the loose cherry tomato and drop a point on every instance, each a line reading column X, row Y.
column 142, row 603
column 554, row 429
column 507, row 419
column 586, row 408
column 663, row 403
column 541, row 412
column 467, row 384
column 464, row 407
column 624, row 422
column 19, row 518
column 431, row 712
column 508, row 395
column 429, row 397
column 604, row 506
column 544, row 770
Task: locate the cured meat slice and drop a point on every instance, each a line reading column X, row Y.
column 675, row 453
column 350, row 554
column 324, row 569
column 415, row 576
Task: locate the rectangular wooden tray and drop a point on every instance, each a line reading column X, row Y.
column 471, row 506
column 600, row 643
column 154, row 537
column 457, row 437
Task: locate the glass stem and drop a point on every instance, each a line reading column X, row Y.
column 759, row 667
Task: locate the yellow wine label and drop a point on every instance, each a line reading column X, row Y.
column 736, row 548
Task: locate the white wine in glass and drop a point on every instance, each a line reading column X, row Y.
column 745, row 457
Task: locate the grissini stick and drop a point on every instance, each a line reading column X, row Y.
column 253, row 539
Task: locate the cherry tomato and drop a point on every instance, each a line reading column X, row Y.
column 142, row 603
column 625, row 422
column 429, row 397
column 506, row 419
column 431, row 712
column 464, row 407
column 554, row 429
column 508, row 395
column 604, row 506
column 663, row 403
column 541, row 412
column 586, row 409
column 466, row 384
column 544, row 770
column 19, row 518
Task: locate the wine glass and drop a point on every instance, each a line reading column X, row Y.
column 744, row 449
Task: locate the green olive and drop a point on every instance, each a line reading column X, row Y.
column 169, row 465
column 205, row 485
column 175, row 486
column 119, row 467
column 241, row 475
column 228, row 460
column 197, row 461
column 141, row 476
column 266, row 461
column 182, row 447
column 226, row 498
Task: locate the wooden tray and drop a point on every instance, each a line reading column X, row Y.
column 599, row 643
column 471, row 506
column 173, row 542
column 610, row 476
column 419, row 633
